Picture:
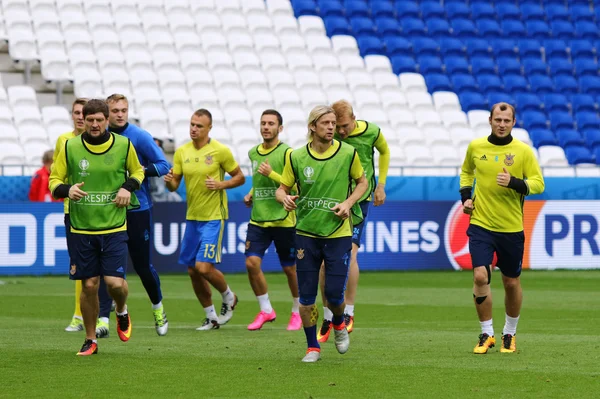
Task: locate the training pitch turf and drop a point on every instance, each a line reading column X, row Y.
column 414, row 335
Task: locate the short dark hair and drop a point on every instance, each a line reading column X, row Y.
column 203, row 112
column 94, row 106
column 273, row 112
column 79, row 101
column 503, row 107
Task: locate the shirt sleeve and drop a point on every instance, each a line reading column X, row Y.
column 356, row 170
column 151, row 153
column 384, row 157
column 135, row 169
column 532, row 174
column 58, row 175
column 287, row 177
column 177, row 162
column 60, row 144
column 467, row 171
column 229, row 164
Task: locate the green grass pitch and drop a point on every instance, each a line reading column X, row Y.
column 413, row 338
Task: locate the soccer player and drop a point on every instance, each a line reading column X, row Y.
column 139, row 221
column 323, row 170
column 506, row 171
column 106, row 166
column 78, row 128
column 203, row 163
column 365, row 137
column 269, row 222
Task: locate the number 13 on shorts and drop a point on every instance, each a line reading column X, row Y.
column 209, row 251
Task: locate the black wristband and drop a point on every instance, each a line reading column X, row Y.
column 131, row 185
column 151, row 171
column 465, row 194
column 62, row 191
column 518, row 185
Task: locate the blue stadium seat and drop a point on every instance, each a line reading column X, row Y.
column 581, row 48
column 463, row 83
column 557, row 13
column 437, row 27
column 583, row 102
column 560, row 66
column 397, row 46
column 555, row 48
column 590, row 85
column 482, row 11
column 508, row 65
column 561, row 120
column 541, row 136
column 513, row 28
column 529, row 48
column 472, row 100
column 532, row 12
column 387, row 26
column 586, row 67
column 431, row 9
column 331, row 8
column 402, row 63
column 425, row 46
column 569, row 137
column 458, row 10
column 596, row 154
column 581, row 13
column 413, row 27
column 406, row 9
column 508, row 12
column 498, row 97
column 515, row 83
column 357, row 9
column 579, row 154
column 463, row 28
column 541, row 84
column 483, row 65
column 587, row 120
column 382, row 9
column 554, row 102
column 451, row 46
column 477, row 47
column 488, row 28
column 586, row 30
column 528, row 102
column 562, row 29
column 565, row 85
column 503, row 48
column 592, row 139
column 456, row 65
column 362, row 25
column 537, row 29
column 304, row 7
column 369, row 45
column 437, row 82
column 430, row 64
column 489, row 83
column 337, row 26
column 534, row 66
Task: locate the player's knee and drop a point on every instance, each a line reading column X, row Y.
column 290, row 271
column 204, row 267
column 511, row 283
column 90, row 284
column 334, row 295
column 253, row 264
column 481, row 275
column 306, row 300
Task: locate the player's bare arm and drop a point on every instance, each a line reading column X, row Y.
column 172, row 180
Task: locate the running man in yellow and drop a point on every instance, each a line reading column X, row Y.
column 78, row 128
column 505, row 170
column 203, row 163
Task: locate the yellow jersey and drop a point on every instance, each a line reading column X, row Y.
column 60, row 145
column 356, row 171
column 213, row 159
column 58, row 175
column 499, row 208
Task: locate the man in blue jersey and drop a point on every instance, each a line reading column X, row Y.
column 139, row 221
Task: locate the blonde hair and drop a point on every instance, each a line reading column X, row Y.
column 317, row 113
column 79, row 101
column 47, row 156
column 342, row 108
column 113, row 98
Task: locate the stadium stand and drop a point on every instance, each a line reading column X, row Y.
column 417, row 68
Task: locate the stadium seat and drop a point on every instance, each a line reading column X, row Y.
column 482, row 65
column 306, row 7
column 413, row 27
column 337, row 25
column 582, row 103
column 504, row 48
column 582, row 13
column 463, row 82
column 472, row 101
column 537, row 29
column 463, row 28
column 592, row 138
column 425, row 46
column 406, row 9
column 382, row 9
column 387, row 26
column 557, row 13
column 552, row 155
column 398, row 46
column 555, row 48
column 528, row 102
column 402, row 63
column 581, row 49
column 569, row 137
column 412, row 82
column 438, row 28
column 330, row 8
column 370, row 45
column 554, row 102
column 455, row 119
column 357, row 9
column 579, row 154
column 499, row 97
column 590, row 85
column 508, row 66
column 456, row 65
column 488, row 28
column 430, row 9
column 343, row 44
column 565, row 85
column 522, row 135
column 430, row 64
column 450, row 47
column 489, row 83
column 541, row 137
column 586, row 67
column 445, row 101
column 586, row 30
column 562, row 29
column 457, row 10
column 508, row 12
column 529, row 48
column 587, row 120
column 532, row 12
column 378, row 63
column 362, row 26
column 561, row 120
column 533, row 120
column 560, row 66
column 437, row 82
column 477, row 47
column 541, row 84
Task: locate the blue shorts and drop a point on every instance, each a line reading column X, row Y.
column 357, row 231
column 509, row 248
column 201, row 242
column 95, row 255
column 310, row 253
column 258, row 239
